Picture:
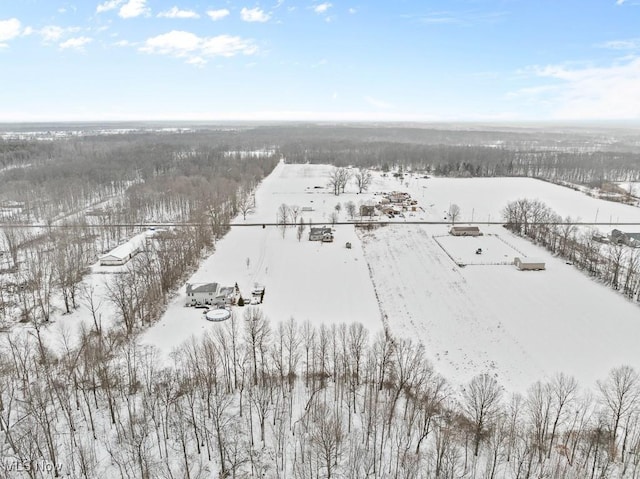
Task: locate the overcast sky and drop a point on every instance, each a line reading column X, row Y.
column 338, row 60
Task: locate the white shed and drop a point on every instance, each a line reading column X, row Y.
column 528, row 264
column 120, row 255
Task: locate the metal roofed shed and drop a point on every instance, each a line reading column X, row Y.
column 465, row 231
column 528, row 264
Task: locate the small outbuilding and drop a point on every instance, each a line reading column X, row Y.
column 120, row 255
column 465, row 231
column 528, row 264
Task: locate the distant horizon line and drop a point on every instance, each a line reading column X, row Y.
column 488, row 122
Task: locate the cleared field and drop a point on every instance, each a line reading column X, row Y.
column 517, row 325
column 486, row 317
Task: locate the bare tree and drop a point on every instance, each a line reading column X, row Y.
column 88, row 294
column 350, row 206
column 283, row 217
column 294, row 212
column 257, row 334
column 12, row 238
column 454, row 213
column 245, row 203
column 363, row 179
column 338, row 179
column 620, row 394
column 327, row 436
column 481, row 404
column 300, row 229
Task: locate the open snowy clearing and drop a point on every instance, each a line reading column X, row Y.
column 487, row 317
column 520, row 326
column 306, row 280
column 483, row 199
column 484, row 317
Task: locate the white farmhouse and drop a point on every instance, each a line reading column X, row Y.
column 201, row 293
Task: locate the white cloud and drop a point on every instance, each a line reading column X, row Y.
column 218, row 14
column 175, row 12
column 631, row 44
column 589, row 93
column 197, row 61
column 352, row 11
column 619, row 2
column 9, row 29
column 197, row 49
column 123, row 43
column 322, row 8
column 227, row 46
column 254, row 15
column 108, row 5
column 77, row 43
column 133, row 8
column 51, row 33
column 378, row 103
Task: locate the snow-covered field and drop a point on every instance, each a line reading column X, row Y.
column 483, row 199
column 517, row 325
column 484, row 317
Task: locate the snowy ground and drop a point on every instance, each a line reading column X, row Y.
column 517, row 325
column 306, row 280
column 484, row 317
column 479, row 250
column 483, row 199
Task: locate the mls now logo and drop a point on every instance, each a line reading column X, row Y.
column 24, row 465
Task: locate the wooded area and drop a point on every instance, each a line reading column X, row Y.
column 254, row 398
column 258, row 397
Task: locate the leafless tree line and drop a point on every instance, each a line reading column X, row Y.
column 614, row 264
column 94, row 190
column 255, row 399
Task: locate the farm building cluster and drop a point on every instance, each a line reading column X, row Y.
column 392, row 204
column 217, row 296
column 490, row 246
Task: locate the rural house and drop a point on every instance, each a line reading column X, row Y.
column 202, row 293
column 465, row 231
column 528, row 264
column 367, row 210
column 320, row 234
column 629, row 239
